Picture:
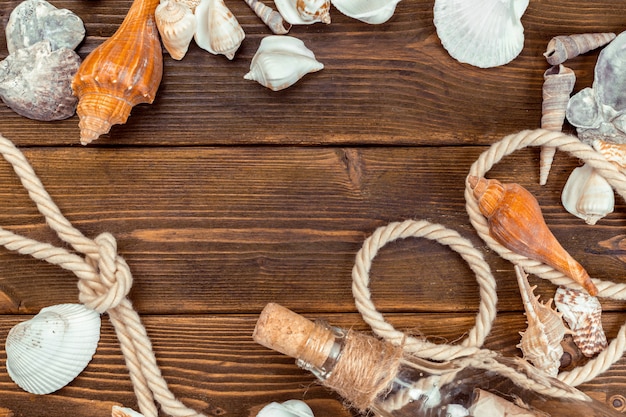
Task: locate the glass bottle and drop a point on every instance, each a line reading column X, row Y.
column 372, row 374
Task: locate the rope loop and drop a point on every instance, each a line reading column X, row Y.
column 113, row 280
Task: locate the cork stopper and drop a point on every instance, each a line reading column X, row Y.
column 291, row 334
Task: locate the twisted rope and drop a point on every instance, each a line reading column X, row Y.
column 104, row 283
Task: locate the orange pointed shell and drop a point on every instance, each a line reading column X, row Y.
column 122, row 72
column 516, row 222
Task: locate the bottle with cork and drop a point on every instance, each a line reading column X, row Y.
column 375, row 375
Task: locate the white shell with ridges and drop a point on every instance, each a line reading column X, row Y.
column 48, row 351
column 217, row 28
column 483, row 33
column 587, row 195
column 177, row 25
column 290, row 408
column 281, row 61
column 304, row 12
column 369, row 11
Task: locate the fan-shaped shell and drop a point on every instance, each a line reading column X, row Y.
column 289, row 408
column 48, row 351
column 281, row 61
column 177, row 25
column 369, row 11
column 483, row 33
column 33, row 21
column 583, row 314
column 35, row 81
column 304, row 12
column 588, row 195
column 217, row 28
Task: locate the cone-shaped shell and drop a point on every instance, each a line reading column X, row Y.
column 122, row 72
column 516, row 222
column 272, row 19
column 217, row 28
column 48, row 351
column 304, row 12
column 369, row 11
column 483, row 33
column 281, row 61
column 588, row 195
column 562, row 48
column 177, row 25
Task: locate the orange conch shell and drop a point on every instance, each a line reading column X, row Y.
column 516, row 222
column 122, row 72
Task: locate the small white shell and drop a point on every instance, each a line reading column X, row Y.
column 369, row 11
column 290, row 408
column 483, row 33
column 117, row 411
column 217, row 28
column 583, row 314
column 588, row 195
column 281, row 61
column 304, row 12
column 177, row 25
column 48, row 351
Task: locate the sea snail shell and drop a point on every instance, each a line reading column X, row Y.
column 516, row 222
column 177, row 25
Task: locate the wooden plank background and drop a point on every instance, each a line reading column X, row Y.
column 224, row 196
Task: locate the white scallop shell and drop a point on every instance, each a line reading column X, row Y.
column 290, row 408
column 583, row 314
column 304, row 12
column 217, row 28
column 483, row 33
column 177, row 25
column 369, row 11
column 48, row 351
column 587, row 195
column 281, row 61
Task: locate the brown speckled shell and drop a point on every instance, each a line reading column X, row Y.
column 516, row 222
column 122, row 72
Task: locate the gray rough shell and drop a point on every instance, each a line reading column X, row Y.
column 598, row 112
column 35, row 82
column 35, row 20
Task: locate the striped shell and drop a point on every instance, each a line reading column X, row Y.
column 583, row 314
column 48, row 351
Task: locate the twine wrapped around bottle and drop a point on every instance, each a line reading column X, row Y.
column 470, row 347
column 104, row 283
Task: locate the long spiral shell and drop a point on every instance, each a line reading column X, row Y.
column 562, row 48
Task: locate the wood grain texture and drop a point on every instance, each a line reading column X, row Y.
column 224, row 196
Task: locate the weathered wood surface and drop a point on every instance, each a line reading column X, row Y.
column 219, row 210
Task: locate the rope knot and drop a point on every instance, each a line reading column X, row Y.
column 112, row 279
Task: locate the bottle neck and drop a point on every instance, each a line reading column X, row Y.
column 324, row 341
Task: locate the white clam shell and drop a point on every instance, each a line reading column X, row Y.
column 304, row 12
column 177, row 25
column 483, row 33
column 217, row 28
column 281, row 61
column 369, row 11
column 588, row 195
column 290, row 408
column 48, row 351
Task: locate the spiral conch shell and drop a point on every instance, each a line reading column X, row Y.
column 270, row 17
column 516, row 222
column 562, row 48
column 217, row 28
column 587, row 195
column 583, row 314
column 48, row 351
column 304, row 12
column 541, row 342
column 122, row 72
column 281, row 61
column 177, row 25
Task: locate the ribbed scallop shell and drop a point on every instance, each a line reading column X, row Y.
column 177, row 25
column 122, row 72
column 541, row 342
column 369, row 11
column 304, row 12
column 281, row 61
column 48, row 351
column 583, row 314
column 217, row 28
column 588, row 195
column 483, row 33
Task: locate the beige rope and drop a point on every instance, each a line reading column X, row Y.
column 615, row 177
column 104, row 282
